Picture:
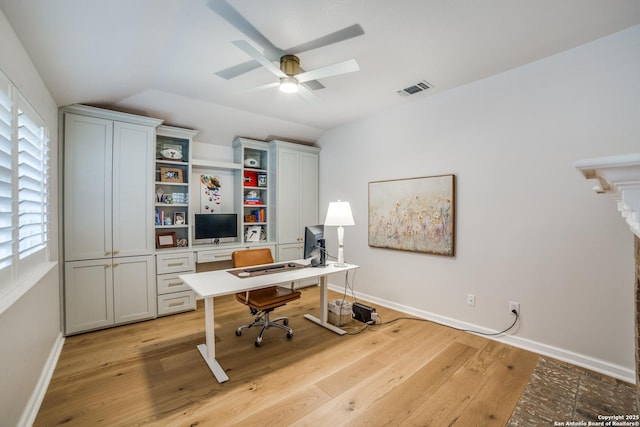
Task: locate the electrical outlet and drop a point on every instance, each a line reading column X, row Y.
column 471, row 300
column 514, row 306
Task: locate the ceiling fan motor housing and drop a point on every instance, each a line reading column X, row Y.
column 290, row 65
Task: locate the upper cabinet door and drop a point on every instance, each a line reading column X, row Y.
column 87, row 187
column 133, row 163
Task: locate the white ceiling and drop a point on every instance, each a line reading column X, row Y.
column 159, row 57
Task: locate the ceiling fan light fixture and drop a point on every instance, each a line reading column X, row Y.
column 288, row 84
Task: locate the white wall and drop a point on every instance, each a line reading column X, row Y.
column 30, row 330
column 529, row 229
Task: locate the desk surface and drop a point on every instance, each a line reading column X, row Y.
column 221, row 282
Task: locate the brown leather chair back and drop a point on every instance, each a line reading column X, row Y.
column 249, row 257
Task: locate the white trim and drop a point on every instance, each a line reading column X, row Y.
column 33, row 406
column 584, row 361
column 14, row 293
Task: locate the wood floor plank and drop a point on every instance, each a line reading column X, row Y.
column 151, row 374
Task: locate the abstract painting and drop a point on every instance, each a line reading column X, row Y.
column 415, row 214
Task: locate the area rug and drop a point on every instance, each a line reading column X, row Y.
column 562, row 394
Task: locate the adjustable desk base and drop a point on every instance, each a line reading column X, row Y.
column 215, row 367
column 327, row 325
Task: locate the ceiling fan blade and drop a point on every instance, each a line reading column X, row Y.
column 229, row 14
column 252, row 52
column 330, row 70
column 335, row 37
column 308, row 94
column 236, row 70
column 259, row 88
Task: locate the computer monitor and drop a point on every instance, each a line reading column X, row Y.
column 314, row 244
column 216, row 226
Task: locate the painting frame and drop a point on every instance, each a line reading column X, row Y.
column 413, row 214
column 166, row 239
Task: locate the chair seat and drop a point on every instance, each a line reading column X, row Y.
column 268, row 298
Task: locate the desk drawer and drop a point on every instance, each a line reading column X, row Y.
column 175, row 263
column 176, row 302
column 168, row 283
column 215, row 255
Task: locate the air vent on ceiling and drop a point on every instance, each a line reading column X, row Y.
column 416, row 88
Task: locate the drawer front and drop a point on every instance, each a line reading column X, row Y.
column 215, row 255
column 168, row 283
column 176, row 302
column 175, row 263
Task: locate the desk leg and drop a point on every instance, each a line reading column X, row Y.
column 208, row 350
column 324, row 310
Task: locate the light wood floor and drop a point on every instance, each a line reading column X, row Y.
column 405, row 373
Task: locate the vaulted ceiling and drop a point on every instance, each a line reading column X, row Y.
column 161, row 57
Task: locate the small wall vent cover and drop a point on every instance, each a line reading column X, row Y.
column 416, row 88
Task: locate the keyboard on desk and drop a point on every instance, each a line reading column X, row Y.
column 270, row 267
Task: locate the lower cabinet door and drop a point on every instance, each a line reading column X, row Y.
column 134, row 288
column 88, row 295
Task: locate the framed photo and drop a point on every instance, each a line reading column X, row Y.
column 179, row 218
column 171, row 175
column 166, row 240
column 415, row 214
column 262, row 179
column 254, row 233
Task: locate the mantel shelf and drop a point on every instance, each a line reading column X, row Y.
column 620, row 176
column 214, row 164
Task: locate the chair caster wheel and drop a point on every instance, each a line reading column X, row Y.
column 289, row 335
column 238, row 332
column 258, row 343
column 285, row 322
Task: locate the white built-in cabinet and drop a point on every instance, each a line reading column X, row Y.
column 295, row 170
column 109, row 237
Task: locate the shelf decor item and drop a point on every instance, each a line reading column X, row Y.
column 166, row 240
column 262, row 179
column 179, row 218
column 415, row 214
column 171, row 175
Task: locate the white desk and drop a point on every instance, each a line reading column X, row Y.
column 212, row 284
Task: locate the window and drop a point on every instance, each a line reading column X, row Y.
column 24, row 187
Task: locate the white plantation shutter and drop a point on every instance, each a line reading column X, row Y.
column 24, row 188
column 32, row 182
column 6, row 177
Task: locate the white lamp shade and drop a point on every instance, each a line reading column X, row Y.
column 339, row 213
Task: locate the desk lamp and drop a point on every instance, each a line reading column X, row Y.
column 339, row 214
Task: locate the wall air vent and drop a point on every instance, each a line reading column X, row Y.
column 416, row 88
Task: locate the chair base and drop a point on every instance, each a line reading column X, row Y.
column 263, row 320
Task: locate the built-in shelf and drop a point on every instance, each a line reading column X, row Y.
column 619, row 176
column 213, row 164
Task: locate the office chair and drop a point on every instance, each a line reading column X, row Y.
column 263, row 301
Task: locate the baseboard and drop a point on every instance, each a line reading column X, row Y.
column 587, row 362
column 33, row 406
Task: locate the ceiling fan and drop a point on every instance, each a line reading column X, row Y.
column 289, row 74
column 273, row 53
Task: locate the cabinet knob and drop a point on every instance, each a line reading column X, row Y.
column 107, row 265
column 116, row 252
column 107, row 253
column 115, row 264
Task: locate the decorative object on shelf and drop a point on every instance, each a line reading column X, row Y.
column 171, row 175
column 179, row 218
column 250, row 162
column 166, row 240
column 167, row 199
column 168, row 221
column 250, row 178
column 183, row 243
column 171, row 154
column 415, row 214
column 159, row 194
column 254, row 233
column 211, row 195
column 251, row 198
column 250, row 218
column 262, row 179
column 338, row 215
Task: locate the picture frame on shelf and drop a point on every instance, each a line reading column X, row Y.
column 262, row 179
column 179, row 218
column 166, row 239
column 254, row 233
column 171, row 175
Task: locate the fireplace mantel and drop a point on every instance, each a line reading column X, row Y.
column 619, row 176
